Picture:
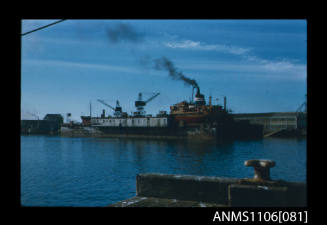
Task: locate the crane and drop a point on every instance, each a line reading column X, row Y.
column 303, row 106
column 118, row 109
column 139, row 104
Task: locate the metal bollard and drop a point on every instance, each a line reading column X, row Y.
column 261, row 168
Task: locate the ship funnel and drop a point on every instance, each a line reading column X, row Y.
column 199, row 98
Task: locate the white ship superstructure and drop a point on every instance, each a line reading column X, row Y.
column 130, row 122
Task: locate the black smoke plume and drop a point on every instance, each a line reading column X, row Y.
column 165, row 64
column 123, row 32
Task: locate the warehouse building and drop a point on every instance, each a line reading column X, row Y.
column 275, row 120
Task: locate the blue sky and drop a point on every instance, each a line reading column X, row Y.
column 260, row 65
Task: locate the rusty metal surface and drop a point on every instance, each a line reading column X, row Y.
column 261, row 168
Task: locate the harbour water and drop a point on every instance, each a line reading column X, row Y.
column 65, row 171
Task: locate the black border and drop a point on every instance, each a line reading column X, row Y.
column 153, row 215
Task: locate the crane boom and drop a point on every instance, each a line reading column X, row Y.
column 303, row 106
column 151, row 98
column 104, row 103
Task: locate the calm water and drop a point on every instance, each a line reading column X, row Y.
column 59, row 171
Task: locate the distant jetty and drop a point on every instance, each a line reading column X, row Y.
column 277, row 124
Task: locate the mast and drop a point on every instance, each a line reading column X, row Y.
column 225, row 103
column 90, row 109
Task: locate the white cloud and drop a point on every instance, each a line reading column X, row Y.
column 279, row 69
column 283, row 70
column 279, row 66
column 196, row 45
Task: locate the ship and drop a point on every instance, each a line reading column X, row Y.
column 195, row 112
column 186, row 119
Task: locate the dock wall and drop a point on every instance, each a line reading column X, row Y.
column 184, row 187
column 187, row 190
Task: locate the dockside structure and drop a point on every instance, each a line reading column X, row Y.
column 50, row 124
column 186, row 119
column 276, row 121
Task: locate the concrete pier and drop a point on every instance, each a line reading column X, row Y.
column 276, row 122
column 164, row 190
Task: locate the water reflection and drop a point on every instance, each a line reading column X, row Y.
column 167, row 156
column 98, row 171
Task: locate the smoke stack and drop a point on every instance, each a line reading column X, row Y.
column 225, row 103
column 199, row 98
column 192, row 93
column 210, row 100
column 198, row 94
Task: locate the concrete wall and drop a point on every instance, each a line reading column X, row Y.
column 224, row 191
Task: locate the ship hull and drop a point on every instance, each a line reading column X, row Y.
column 190, row 118
column 194, row 125
column 141, row 131
column 86, row 120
